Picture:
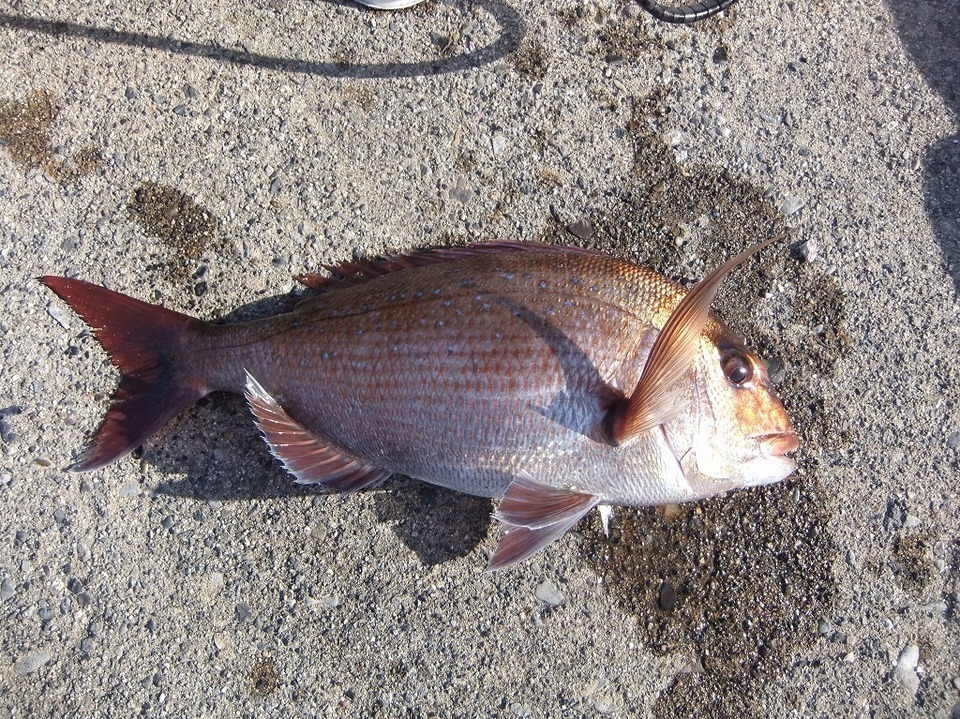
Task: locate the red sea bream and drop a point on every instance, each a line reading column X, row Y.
column 555, row 379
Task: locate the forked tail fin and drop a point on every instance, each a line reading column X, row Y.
column 147, row 344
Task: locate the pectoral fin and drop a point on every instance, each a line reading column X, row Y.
column 534, row 515
column 307, row 457
column 654, row 400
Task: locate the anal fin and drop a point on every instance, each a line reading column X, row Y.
column 535, row 515
column 307, row 457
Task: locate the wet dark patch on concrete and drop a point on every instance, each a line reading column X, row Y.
column 736, row 584
column 749, row 576
column 912, row 563
column 186, row 228
column 531, row 59
column 626, row 40
column 264, row 677
column 25, row 129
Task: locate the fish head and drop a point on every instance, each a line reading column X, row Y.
column 736, row 431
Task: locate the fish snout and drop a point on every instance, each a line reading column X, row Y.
column 777, row 444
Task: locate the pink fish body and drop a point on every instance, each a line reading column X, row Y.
column 554, row 378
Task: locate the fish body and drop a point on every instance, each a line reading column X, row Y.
column 505, row 371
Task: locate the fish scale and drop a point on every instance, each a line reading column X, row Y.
column 554, row 378
column 460, row 384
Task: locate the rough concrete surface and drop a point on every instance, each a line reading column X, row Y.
column 200, row 154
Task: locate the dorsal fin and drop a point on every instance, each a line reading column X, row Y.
column 654, row 400
column 307, row 457
column 359, row 271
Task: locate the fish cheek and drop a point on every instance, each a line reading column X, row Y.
column 718, row 446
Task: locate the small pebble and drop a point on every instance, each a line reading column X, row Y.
column 953, row 440
column 905, row 672
column 497, row 143
column 7, row 589
column 582, row 228
column 461, row 191
column 792, row 204
column 243, row 612
column 896, row 514
column 776, row 371
column 59, row 314
column 668, row 596
column 911, row 521
column 31, row 662
column 548, row 593
column 810, row 250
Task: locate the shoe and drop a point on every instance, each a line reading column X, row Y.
column 388, row 4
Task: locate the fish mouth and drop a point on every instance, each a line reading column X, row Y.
column 777, row 444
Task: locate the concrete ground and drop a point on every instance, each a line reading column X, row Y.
column 199, row 154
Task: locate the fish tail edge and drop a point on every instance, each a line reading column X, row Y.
column 146, row 343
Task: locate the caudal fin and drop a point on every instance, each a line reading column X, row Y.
column 144, row 341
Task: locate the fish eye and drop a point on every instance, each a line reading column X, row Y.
column 737, row 367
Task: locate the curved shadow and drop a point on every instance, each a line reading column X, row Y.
column 930, row 32
column 510, row 22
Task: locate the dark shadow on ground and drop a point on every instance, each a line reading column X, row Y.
column 511, row 25
column 930, row 32
column 214, row 452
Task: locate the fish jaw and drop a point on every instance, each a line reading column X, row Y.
column 771, row 465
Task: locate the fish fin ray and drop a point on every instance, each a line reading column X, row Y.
column 655, row 398
column 313, row 280
column 532, row 504
column 357, row 272
column 145, row 342
column 535, row 515
column 308, row 458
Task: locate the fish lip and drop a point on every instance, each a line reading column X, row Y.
column 777, row 444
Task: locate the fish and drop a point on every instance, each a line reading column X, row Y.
column 554, row 379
